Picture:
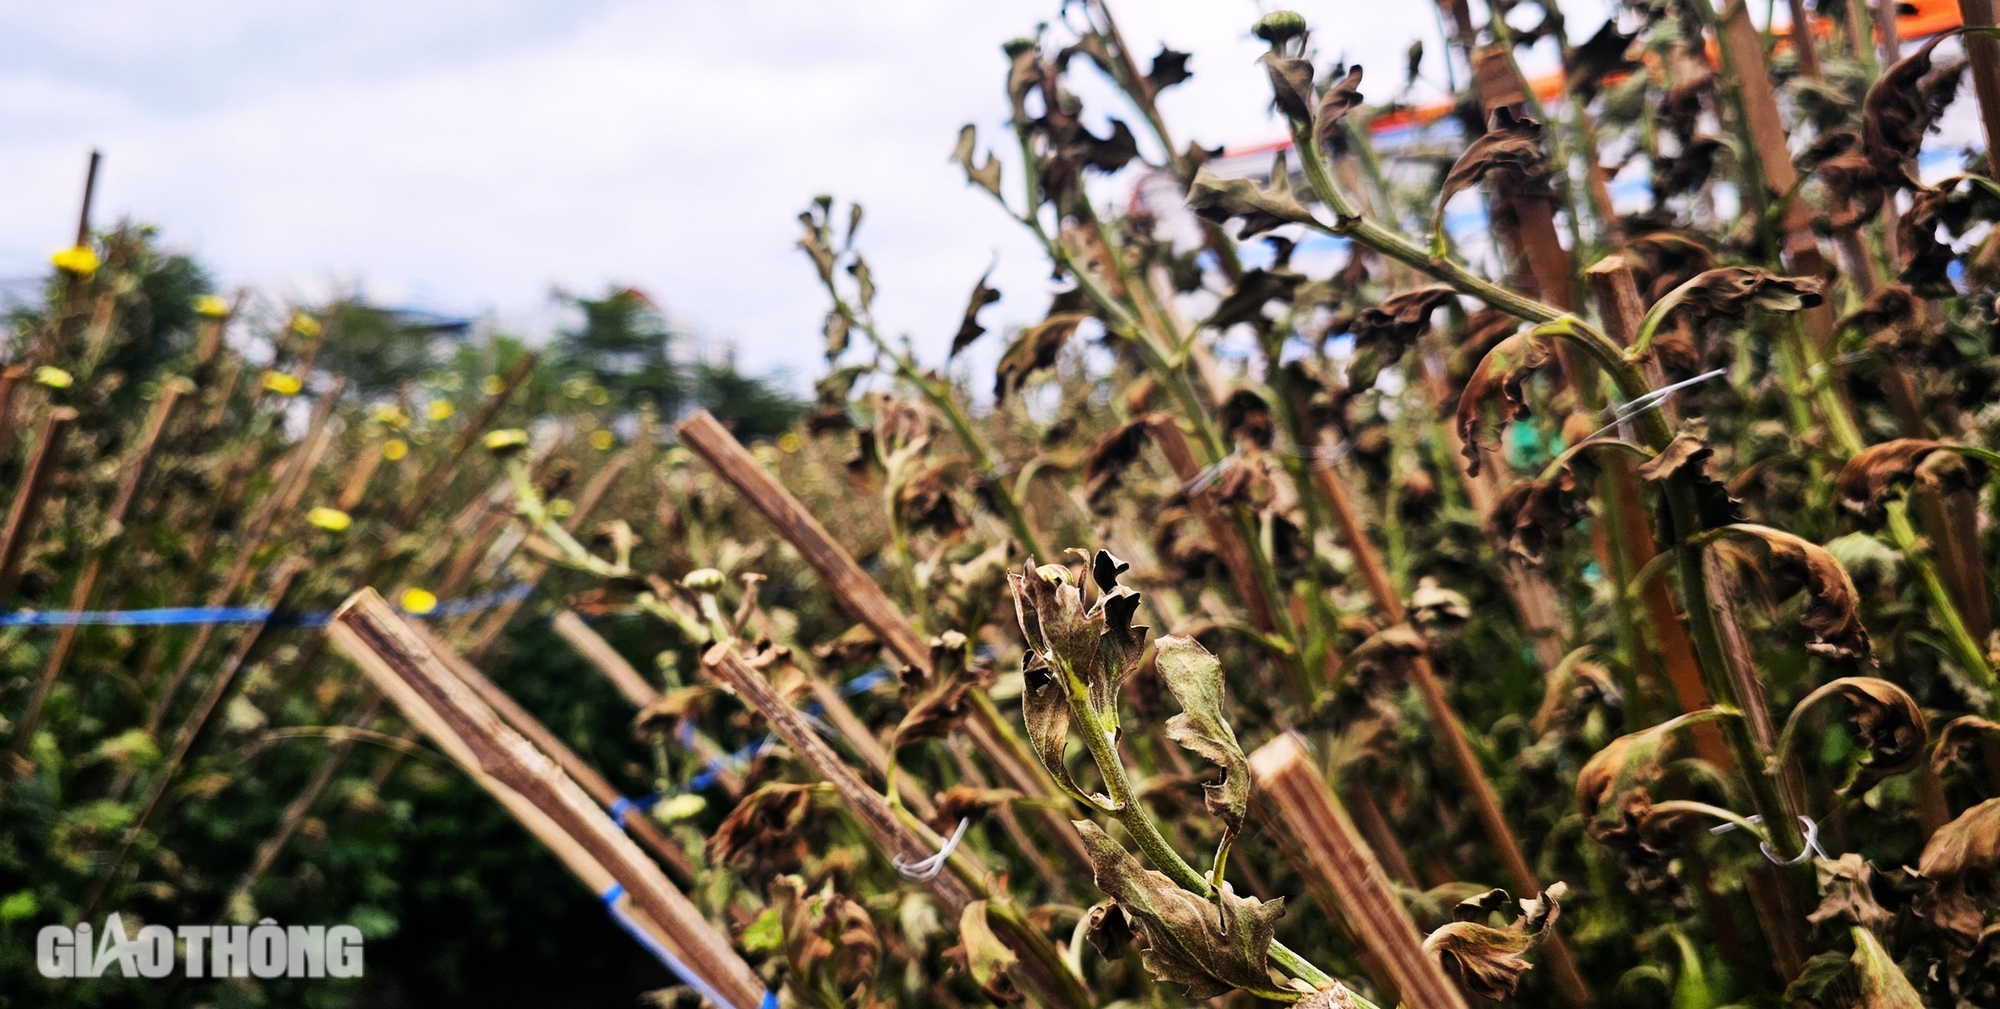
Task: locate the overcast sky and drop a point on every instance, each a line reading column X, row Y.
column 466, row 157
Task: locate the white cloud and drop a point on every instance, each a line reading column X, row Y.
column 467, row 156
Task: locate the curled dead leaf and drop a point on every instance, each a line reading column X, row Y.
column 1963, row 858
column 1383, row 333
column 1887, row 722
column 1210, row 946
column 1503, row 372
column 764, row 824
column 1511, row 148
column 1488, row 961
column 1865, row 483
column 1833, row 610
column 1334, row 104
column 1195, row 678
column 1958, row 741
column 1215, row 198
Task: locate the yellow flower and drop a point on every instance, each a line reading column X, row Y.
column 332, row 520
column 389, row 415
column 597, row 396
column 789, row 442
column 282, row 384
column 506, row 441
column 678, row 456
column 602, row 439
column 561, row 508
column 304, row 325
column 418, row 601
column 395, row 449
column 213, row 306
column 80, row 260
column 441, row 409
column 492, row 385
column 54, row 377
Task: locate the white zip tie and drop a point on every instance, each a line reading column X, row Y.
column 1624, row 412
column 1207, row 477
column 927, row 869
column 1811, row 846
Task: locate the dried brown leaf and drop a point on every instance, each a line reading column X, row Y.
column 1487, row 961
column 1503, row 372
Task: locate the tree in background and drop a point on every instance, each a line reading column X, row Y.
column 627, row 348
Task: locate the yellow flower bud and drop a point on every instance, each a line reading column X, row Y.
column 506, row 441
column 492, row 385
column 54, row 377
column 561, row 508
column 441, row 409
column 681, row 807
column 418, row 601
column 389, row 415
column 602, row 439
column 395, row 449
column 597, row 396
column 282, row 384
column 305, row 325
column 332, row 520
column 212, row 306
column 77, row 260
column 704, row 580
column 789, row 443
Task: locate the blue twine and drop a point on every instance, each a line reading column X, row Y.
column 865, row 682
column 183, row 615
column 673, row 963
column 622, row 805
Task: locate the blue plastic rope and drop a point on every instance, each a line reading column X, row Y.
column 672, row 962
column 182, row 615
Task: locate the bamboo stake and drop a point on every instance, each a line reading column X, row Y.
column 862, row 598
column 190, row 730
column 1983, row 51
column 86, row 582
column 421, row 684
column 1618, row 302
column 10, row 387
column 1332, row 851
column 635, row 821
column 27, row 506
column 1485, row 801
column 600, row 653
column 1038, row 970
column 1229, row 545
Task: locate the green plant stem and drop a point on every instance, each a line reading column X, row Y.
column 1631, row 384
column 1964, row 649
column 938, row 393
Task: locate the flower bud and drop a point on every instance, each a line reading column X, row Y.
column 281, row 383
column 703, row 580
column 395, row 449
column 332, row 520
column 507, row 441
column 211, row 306
column 77, row 260
column 418, row 601
column 305, row 325
column 1279, row 27
column 54, row 377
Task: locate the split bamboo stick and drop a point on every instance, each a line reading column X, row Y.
column 34, row 487
column 420, row 683
column 1331, row 850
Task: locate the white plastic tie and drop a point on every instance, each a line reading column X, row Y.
column 927, row 869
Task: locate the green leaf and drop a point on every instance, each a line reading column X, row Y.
column 765, row 933
column 1882, row 983
column 1212, row 947
column 18, row 905
column 1195, row 677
